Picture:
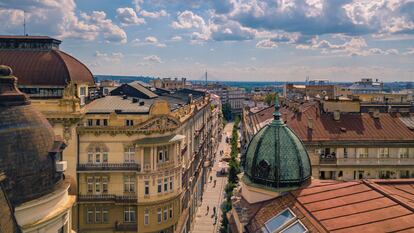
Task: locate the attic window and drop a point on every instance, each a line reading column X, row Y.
column 285, row 221
column 343, row 129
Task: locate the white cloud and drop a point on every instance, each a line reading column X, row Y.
column 266, row 44
column 137, row 4
column 410, row 51
column 151, row 40
column 58, row 19
column 154, row 14
column 187, row 20
column 112, row 57
column 128, row 16
column 153, row 59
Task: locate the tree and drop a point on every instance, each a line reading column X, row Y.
column 227, row 112
column 270, row 98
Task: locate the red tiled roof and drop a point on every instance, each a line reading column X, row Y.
column 350, row 127
column 355, row 206
column 45, row 68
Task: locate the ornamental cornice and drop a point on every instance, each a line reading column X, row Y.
column 155, row 125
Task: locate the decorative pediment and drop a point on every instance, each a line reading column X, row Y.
column 160, row 124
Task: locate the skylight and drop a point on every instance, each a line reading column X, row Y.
column 296, row 227
column 284, row 222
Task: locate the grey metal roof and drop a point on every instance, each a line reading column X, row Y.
column 114, row 103
column 142, row 89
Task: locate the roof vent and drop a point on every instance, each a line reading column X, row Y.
column 134, row 100
column 141, row 103
column 124, row 97
column 343, row 129
column 376, row 114
column 310, row 123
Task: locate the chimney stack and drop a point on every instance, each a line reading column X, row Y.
column 337, row 115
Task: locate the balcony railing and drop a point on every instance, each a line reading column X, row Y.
column 376, row 161
column 327, row 160
column 109, row 167
column 126, row 227
column 107, row 197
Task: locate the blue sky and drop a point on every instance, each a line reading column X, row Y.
column 272, row 40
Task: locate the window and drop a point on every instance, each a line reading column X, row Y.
column 171, row 212
column 163, row 154
column 98, row 157
column 89, row 216
column 165, row 184
column 105, row 215
column 104, row 184
column 105, row 157
column 404, row 153
column 345, row 152
column 405, row 174
column 146, row 217
column 129, row 122
column 363, row 152
column 82, row 91
column 165, row 214
column 277, row 222
column 159, row 215
column 129, row 184
column 296, row 227
column 90, row 157
column 129, row 214
column 105, row 122
column 97, row 215
column 129, row 155
column 384, row 174
column 90, row 122
column 98, row 122
column 171, row 183
column 384, row 153
column 159, row 186
column 97, row 184
column 89, row 181
column 160, row 156
column 146, row 192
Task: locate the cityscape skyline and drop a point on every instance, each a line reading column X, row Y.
column 233, row 40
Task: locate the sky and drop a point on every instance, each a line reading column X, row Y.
column 234, row 40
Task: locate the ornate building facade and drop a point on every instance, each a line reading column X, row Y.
column 33, row 190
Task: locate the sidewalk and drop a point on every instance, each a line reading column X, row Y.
column 213, row 196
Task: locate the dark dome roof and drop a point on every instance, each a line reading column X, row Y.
column 26, row 145
column 45, row 67
column 276, row 157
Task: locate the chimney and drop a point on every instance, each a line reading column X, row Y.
column 190, row 98
column 376, row 114
column 310, row 123
column 337, row 115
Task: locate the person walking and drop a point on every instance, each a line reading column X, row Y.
column 214, row 211
column 215, row 181
column 211, row 178
column 208, row 208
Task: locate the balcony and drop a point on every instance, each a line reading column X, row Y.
column 327, row 159
column 109, row 167
column 107, row 197
column 126, row 227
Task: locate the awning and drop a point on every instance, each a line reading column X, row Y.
column 160, row 140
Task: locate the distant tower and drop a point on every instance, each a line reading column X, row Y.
column 24, row 23
column 206, row 78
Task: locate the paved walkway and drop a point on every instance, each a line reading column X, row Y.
column 213, row 196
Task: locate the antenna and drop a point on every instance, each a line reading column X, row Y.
column 24, row 23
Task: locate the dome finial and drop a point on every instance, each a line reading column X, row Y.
column 276, row 113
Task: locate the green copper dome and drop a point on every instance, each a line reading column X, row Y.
column 276, row 157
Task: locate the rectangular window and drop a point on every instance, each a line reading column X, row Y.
column 82, row 91
column 105, row 122
column 165, row 214
column 363, row 152
column 171, row 212
column 89, row 181
column 89, row 216
column 171, row 183
column 165, row 185
column 159, row 186
column 97, row 184
column 280, row 220
column 405, row 174
column 129, row 184
column 90, row 122
column 129, row 122
column 129, row 214
column 146, row 188
column 129, row 155
column 97, row 215
column 98, row 122
column 160, row 156
column 345, row 152
column 403, row 153
column 90, row 157
column 146, row 217
column 166, row 155
column 159, row 215
column 105, row 215
column 105, row 157
column 98, row 157
column 104, row 184
column 384, row 153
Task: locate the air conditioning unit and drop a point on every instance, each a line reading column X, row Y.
column 61, row 166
